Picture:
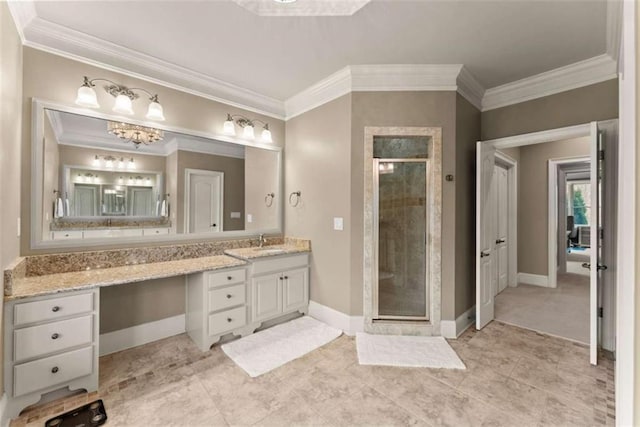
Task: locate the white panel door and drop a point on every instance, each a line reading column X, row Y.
column 205, row 201
column 502, row 227
column 485, row 236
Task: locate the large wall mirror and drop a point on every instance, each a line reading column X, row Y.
column 98, row 178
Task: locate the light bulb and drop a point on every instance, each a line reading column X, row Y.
column 131, row 165
column 229, row 127
column 96, row 161
column 87, row 96
column 155, row 110
column 120, row 181
column 248, row 133
column 123, row 105
column 130, row 181
column 96, row 179
column 138, row 182
column 109, row 163
column 266, row 134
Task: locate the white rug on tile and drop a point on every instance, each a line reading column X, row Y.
column 266, row 350
column 411, row 351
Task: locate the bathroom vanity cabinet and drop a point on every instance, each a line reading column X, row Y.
column 50, row 342
column 280, row 286
column 239, row 300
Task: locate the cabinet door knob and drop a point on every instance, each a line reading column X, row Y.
column 55, row 308
column 228, row 296
column 54, row 370
column 229, row 277
column 281, row 278
column 229, row 319
column 55, row 336
column 286, row 277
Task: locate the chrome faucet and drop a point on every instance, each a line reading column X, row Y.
column 261, row 240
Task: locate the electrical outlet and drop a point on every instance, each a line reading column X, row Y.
column 338, row 223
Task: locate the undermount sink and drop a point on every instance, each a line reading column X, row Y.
column 270, row 250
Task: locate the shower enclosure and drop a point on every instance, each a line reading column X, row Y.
column 401, row 237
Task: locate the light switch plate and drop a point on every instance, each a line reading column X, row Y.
column 19, row 226
column 338, row 223
column 249, row 218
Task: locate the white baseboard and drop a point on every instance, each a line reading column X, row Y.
column 4, row 422
column 141, row 334
column 455, row 328
column 349, row 324
column 533, row 279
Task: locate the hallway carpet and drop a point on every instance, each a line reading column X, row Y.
column 561, row 311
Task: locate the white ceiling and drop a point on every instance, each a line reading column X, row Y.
column 498, row 41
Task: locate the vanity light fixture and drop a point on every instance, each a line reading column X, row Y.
column 247, row 126
column 135, row 134
column 123, row 95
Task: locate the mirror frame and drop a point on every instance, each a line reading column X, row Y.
column 38, row 107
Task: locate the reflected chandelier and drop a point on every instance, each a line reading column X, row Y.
column 135, row 134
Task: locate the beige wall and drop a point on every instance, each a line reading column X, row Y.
column 10, row 127
column 171, row 174
column 533, row 193
column 54, row 78
column 233, row 186
column 133, row 304
column 317, row 162
column 260, row 179
column 402, row 109
column 637, row 236
column 467, row 135
column 573, row 107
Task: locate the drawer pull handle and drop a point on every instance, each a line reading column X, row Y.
column 229, row 319
column 229, row 296
column 55, row 336
column 229, row 277
column 54, row 370
column 55, row 308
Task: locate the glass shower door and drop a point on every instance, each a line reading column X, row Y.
column 401, row 239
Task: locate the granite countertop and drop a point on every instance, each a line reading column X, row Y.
column 249, row 254
column 88, row 279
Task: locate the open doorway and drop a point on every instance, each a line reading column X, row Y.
column 566, row 188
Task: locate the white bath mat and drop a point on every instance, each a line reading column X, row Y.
column 411, row 351
column 266, row 350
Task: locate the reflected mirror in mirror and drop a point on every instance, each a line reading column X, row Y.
column 108, row 179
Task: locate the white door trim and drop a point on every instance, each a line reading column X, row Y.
column 187, row 194
column 626, row 354
column 512, row 169
column 552, row 220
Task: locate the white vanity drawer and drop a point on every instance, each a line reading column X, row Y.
column 69, row 234
column 51, row 337
column 227, row 320
column 43, row 373
column 222, row 298
column 280, row 263
column 50, row 309
column 117, row 232
column 154, row 231
column 226, row 277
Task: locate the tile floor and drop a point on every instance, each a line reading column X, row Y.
column 562, row 311
column 514, row 377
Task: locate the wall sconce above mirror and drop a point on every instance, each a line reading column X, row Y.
column 106, row 189
column 123, row 95
column 247, row 126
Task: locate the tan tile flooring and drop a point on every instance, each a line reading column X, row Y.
column 514, row 377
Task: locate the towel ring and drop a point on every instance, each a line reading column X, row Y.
column 268, row 199
column 294, row 198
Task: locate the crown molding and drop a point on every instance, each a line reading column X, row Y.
column 22, row 12
column 594, row 70
column 386, row 78
column 614, row 29
column 50, row 37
